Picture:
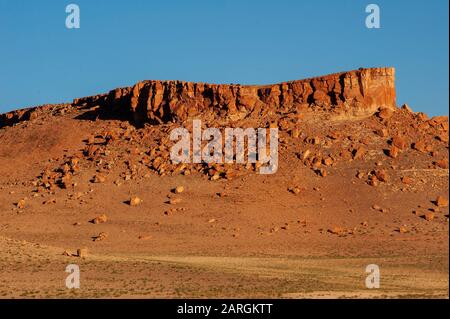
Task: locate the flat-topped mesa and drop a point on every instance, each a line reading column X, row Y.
column 364, row 90
column 361, row 91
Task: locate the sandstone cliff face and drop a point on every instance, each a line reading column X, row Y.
column 363, row 90
column 162, row 101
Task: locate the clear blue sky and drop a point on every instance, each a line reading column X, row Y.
column 250, row 42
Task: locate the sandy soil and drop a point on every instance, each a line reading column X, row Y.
column 293, row 234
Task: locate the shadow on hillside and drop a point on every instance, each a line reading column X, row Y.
column 105, row 114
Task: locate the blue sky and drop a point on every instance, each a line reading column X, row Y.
column 250, row 42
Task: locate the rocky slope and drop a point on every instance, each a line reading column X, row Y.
column 361, row 91
column 360, row 181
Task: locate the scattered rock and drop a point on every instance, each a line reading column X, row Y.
column 407, row 180
column 82, row 252
column 174, row 201
column 66, row 253
column 399, row 142
column 313, row 140
column 429, row 216
column 373, row 180
column 360, row 174
column 358, row 153
column 393, row 152
column 99, row 219
column 336, row 230
column 346, row 155
column 99, row 178
column 443, row 137
column 402, row 229
column 382, row 132
column 442, row 163
column 21, row 204
column 377, row 207
column 50, row 201
column 321, row 172
column 334, row 135
column 306, row 154
column 66, row 180
column 295, row 133
column 135, row 201
column 100, row 236
column 327, row 161
column 169, row 212
column 295, row 190
column 382, row 175
column 441, row 201
column 274, row 229
column 420, row 146
column 178, row 189
column 215, row 177
column 385, row 113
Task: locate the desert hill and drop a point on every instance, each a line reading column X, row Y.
column 360, row 181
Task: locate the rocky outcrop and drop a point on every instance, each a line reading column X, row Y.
column 162, row 101
column 363, row 90
column 13, row 117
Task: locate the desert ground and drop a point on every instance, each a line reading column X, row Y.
column 79, row 188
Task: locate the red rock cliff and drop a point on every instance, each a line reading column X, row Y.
column 162, row 101
column 363, row 90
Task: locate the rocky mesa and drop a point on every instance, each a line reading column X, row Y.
column 359, row 91
column 359, row 182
